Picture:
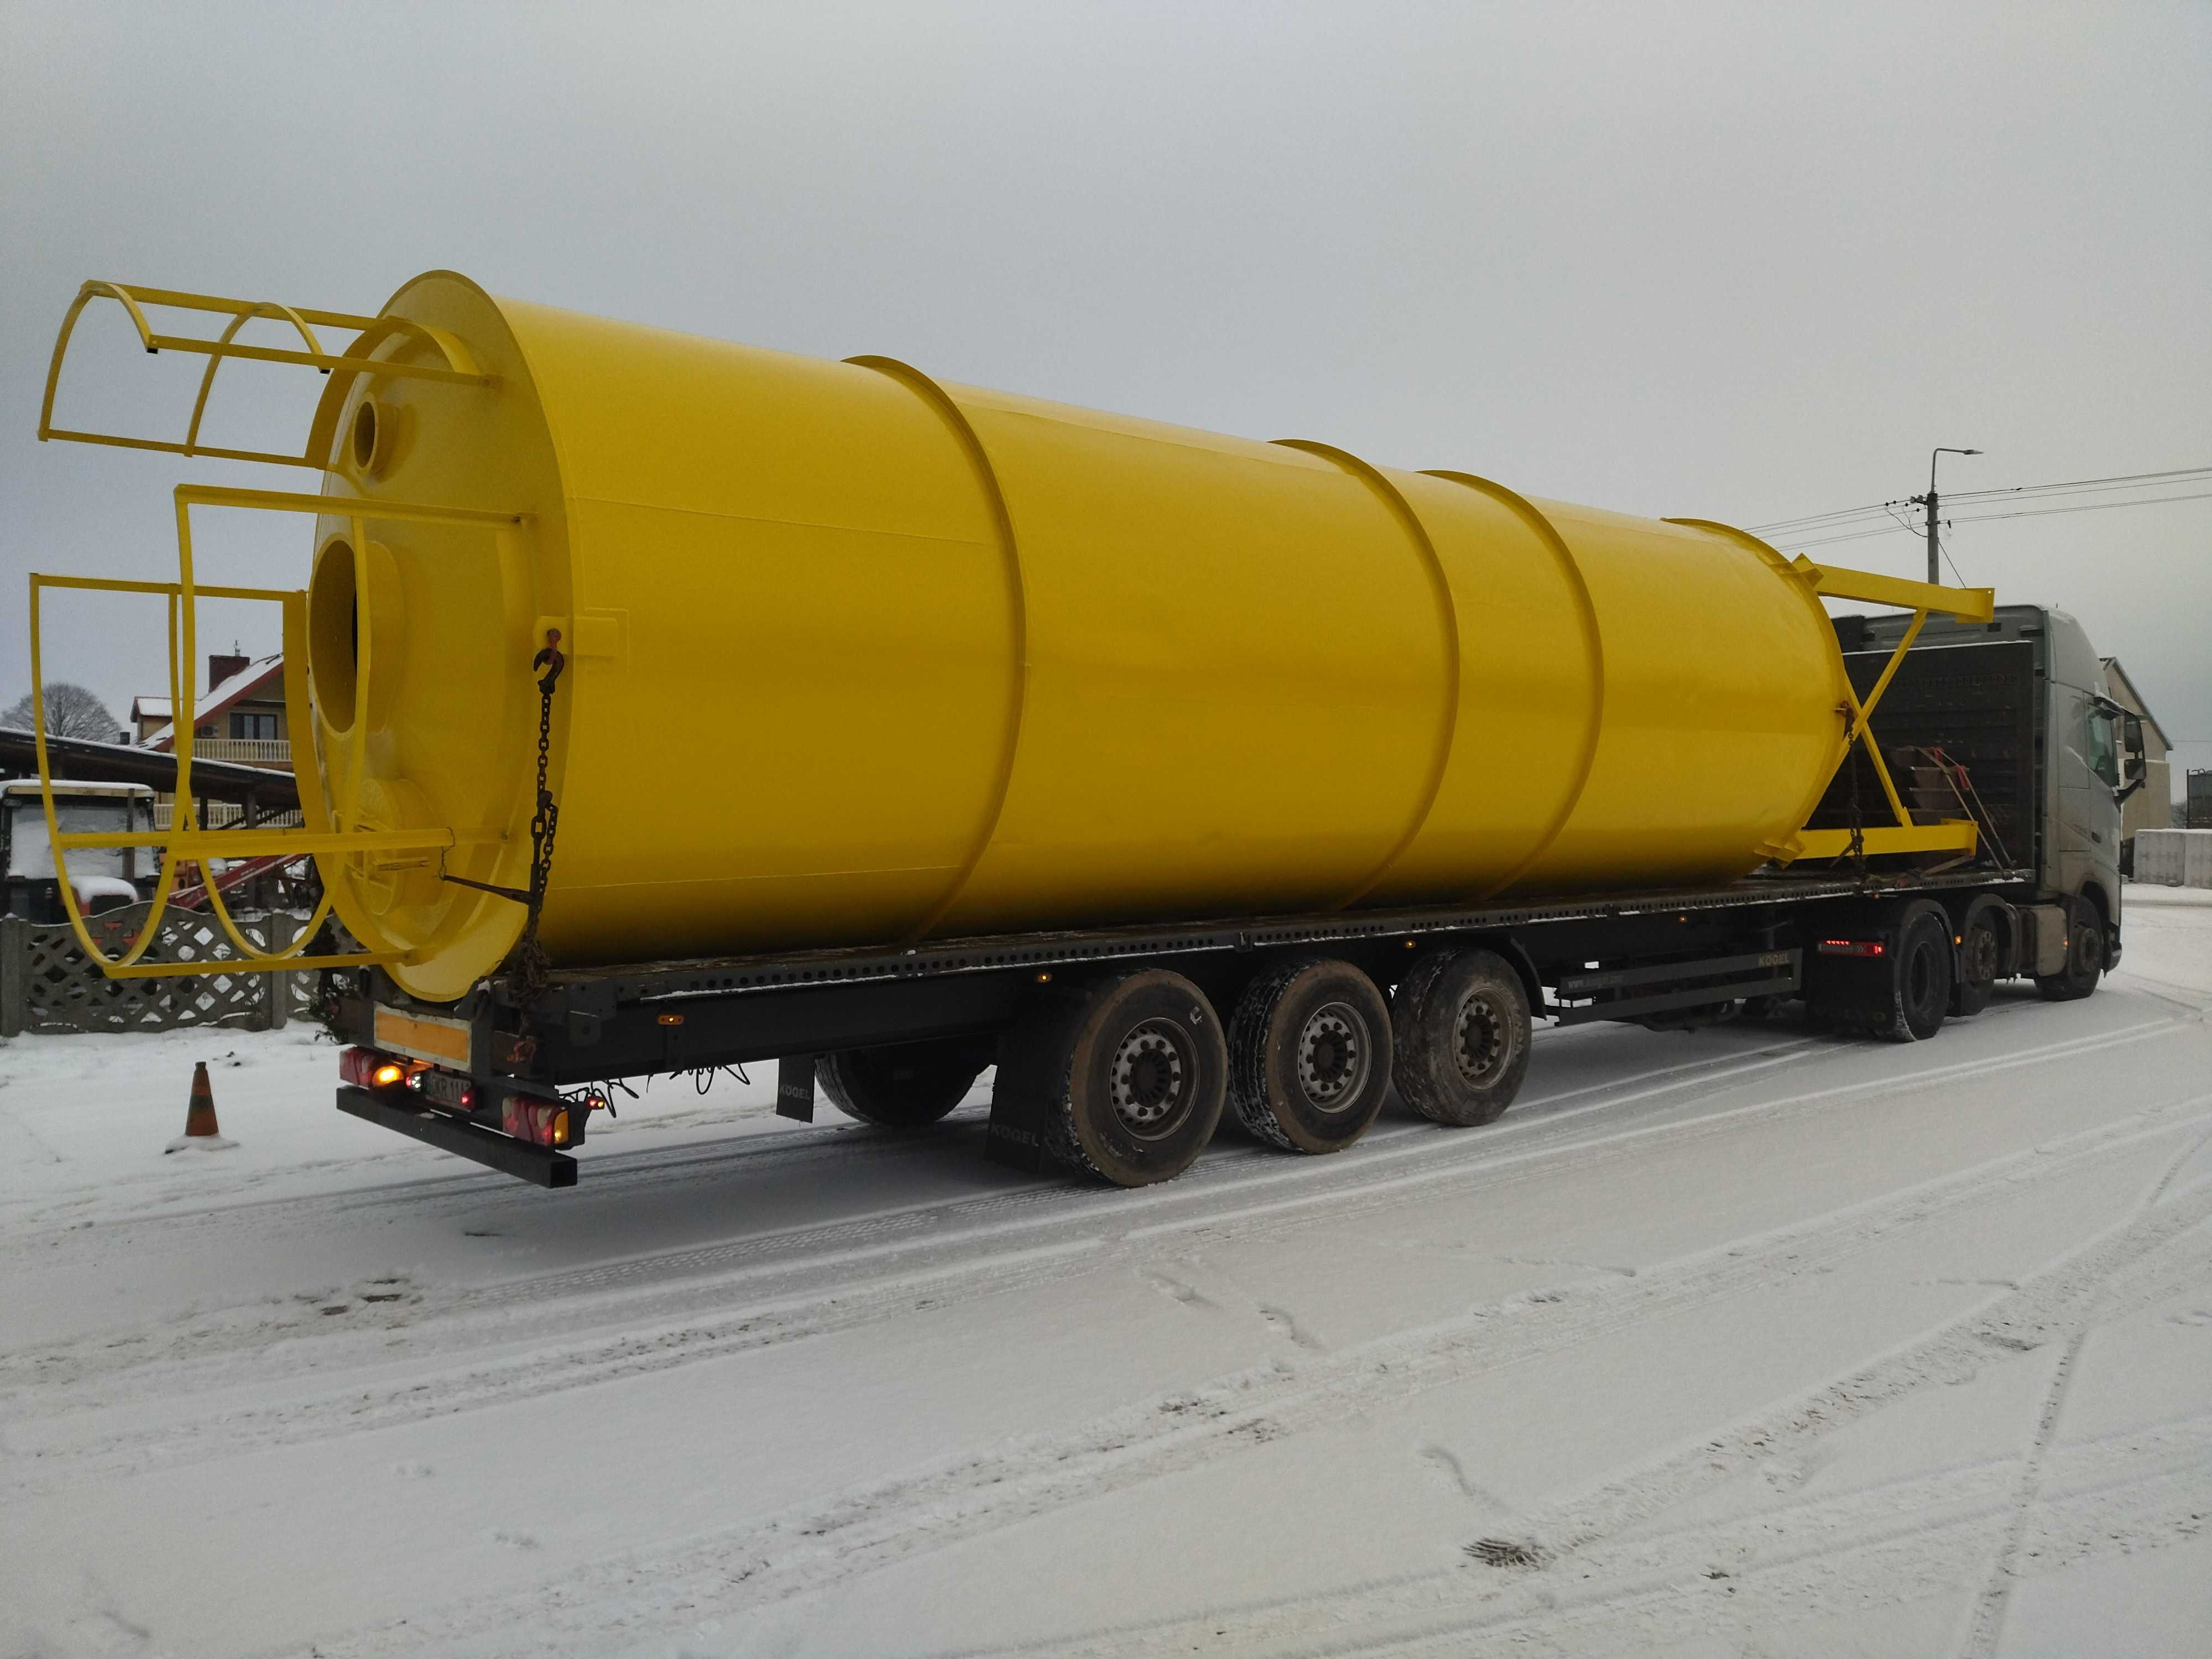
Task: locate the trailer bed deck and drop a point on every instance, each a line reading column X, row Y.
column 717, row 976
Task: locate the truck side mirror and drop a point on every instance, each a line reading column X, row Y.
column 2135, row 765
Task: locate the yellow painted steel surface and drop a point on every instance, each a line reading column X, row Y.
column 859, row 657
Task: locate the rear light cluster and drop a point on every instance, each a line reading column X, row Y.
column 1852, row 947
column 365, row 1068
column 526, row 1117
column 541, row 1123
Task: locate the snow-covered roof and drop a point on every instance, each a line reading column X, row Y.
column 235, row 689
column 75, row 787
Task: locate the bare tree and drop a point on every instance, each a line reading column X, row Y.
column 71, row 712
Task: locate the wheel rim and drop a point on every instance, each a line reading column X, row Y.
column 1334, row 1057
column 1981, row 956
column 2088, row 953
column 1481, row 1041
column 1153, row 1079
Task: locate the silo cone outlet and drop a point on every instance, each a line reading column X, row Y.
column 357, row 656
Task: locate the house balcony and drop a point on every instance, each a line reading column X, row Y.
column 273, row 752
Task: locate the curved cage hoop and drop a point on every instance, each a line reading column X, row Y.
column 320, row 838
column 455, row 365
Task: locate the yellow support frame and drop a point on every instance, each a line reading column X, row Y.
column 321, row 837
column 1968, row 604
column 457, row 366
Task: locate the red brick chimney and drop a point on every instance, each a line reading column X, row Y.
column 221, row 668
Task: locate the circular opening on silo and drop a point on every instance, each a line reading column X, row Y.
column 367, row 430
column 334, row 634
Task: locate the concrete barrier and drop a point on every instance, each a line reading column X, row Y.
column 2174, row 858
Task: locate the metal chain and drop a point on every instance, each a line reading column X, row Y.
column 1857, row 851
column 527, row 975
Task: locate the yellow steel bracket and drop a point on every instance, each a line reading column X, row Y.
column 1968, row 604
column 455, row 365
column 323, row 838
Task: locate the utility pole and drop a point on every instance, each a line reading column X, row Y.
column 1934, row 547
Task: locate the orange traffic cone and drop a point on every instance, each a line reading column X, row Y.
column 200, row 1131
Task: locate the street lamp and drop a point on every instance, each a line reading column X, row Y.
column 1934, row 552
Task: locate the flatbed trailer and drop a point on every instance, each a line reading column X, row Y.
column 2009, row 716
column 1673, row 956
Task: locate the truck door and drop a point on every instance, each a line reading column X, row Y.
column 2087, row 761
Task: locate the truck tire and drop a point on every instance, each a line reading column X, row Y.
column 1310, row 1054
column 1981, row 953
column 1461, row 1023
column 2085, row 957
column 1143, row 1069
column 1920, row 976
column 903, row 1085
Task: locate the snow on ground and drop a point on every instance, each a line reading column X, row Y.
column 1747, row 1340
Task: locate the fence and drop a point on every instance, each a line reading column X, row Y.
column 48, row 985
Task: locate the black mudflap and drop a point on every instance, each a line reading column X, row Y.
column 1025, row 1097
column 794, row 1087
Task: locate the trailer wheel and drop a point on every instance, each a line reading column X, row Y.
column 903, row 1085
column 1143, row 1069
column 1920, row 975
column 1461, row 1019
column 2085, row 957
column 1981, row 953
column 1310, row 1054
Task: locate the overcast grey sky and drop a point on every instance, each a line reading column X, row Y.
column 1736, row 262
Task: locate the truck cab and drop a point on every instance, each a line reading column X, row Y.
column 2022, row 703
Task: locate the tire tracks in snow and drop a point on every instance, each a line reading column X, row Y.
column 1629, row 1575
column 1988, row 1622
column 874, row 1525
column 898, row 1230
column 1832, row 1552
column 544, row 1354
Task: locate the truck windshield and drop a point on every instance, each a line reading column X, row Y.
column 2104, row 753
column 31, row 855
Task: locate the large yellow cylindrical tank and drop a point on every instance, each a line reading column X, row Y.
column 859, row 657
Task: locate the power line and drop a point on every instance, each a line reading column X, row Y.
column 2087, row 507
column 1944, row 547
column 1838, row 518
column 1812, row 520
column 2084, row 485
column 1830, row 541
column 1992, row 517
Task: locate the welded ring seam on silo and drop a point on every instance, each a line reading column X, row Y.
column 1448, row 613
column 1586, row 611
column 1002, row 521
column 1775, row 560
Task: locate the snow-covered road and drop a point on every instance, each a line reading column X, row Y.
column 1742, row 1340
